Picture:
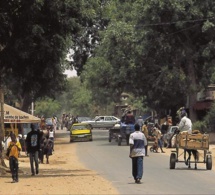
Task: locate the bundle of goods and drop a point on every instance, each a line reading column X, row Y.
column 196, row 140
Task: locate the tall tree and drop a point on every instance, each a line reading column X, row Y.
column 169, row 54
column 35, row 37
column 177, row 36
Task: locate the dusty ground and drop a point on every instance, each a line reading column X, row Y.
column 64, row 175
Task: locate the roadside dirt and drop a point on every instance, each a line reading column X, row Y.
column 64, row 175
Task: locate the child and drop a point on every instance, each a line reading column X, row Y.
column 48, row 148
column 14, row 148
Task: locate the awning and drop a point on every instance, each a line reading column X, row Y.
column 14, row 115
column 203, row 105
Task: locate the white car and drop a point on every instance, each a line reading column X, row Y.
column 105, row 122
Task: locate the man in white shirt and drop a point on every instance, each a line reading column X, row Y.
column 185, row 123
column 137, row 141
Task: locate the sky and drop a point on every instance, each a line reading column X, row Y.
column 70, row 73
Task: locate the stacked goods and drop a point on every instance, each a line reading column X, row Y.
column 193, row 141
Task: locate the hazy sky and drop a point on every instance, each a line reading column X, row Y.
column 70, row 73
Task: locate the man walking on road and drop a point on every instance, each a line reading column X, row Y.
column 137, row 143
column 33, row 148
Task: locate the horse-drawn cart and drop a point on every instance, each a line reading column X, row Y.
column 196, row 144
column 125, row 131
column 114, row 132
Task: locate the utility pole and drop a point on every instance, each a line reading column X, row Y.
column 32, row 108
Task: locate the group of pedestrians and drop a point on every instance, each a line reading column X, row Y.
column 38, row 145
column 139, row 143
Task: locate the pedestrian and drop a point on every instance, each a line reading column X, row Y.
column 14, row 148
column 158, row 138
column 54, row 123
column 146, row 133
column 137, row 141
column 33, row 148
column 43, row 123
column 51, row 137
column 48, row 148
column 42, row 143
column 140, row 121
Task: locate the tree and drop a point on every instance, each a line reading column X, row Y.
column 76, row 100
column 47, row 107
column 35, row 38
column 169, row 54
column 85, row 42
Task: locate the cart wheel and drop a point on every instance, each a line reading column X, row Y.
column 119, row 141
column 208, row 162
column 172, row 161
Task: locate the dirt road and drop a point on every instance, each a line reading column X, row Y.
column 64, row 175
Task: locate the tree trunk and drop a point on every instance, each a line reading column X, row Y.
column 26, row 102
column 192, row 93
column 2, row 163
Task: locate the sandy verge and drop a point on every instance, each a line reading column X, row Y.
column 64, row 175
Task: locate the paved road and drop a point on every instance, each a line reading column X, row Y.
column 112, row 162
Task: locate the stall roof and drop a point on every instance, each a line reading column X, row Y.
column 14, row 115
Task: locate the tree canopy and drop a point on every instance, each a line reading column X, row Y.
column 35, row 38
column 161, row 49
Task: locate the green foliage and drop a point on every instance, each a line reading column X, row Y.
column 209, row 119
column 35, row 38
column 47, row 107
column 163, row 50
column 76, row 99
column 200, row 125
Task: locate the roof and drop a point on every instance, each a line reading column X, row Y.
column 14, row 115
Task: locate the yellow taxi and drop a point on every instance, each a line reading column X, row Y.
column 80, row 132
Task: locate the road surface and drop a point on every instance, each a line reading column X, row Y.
column 112, row 162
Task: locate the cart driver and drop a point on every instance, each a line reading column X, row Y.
column 185, row 123
column 129, row 118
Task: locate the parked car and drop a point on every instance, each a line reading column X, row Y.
column 80, row 132
column 168, row 136
column 106, row 122
column 83, row 118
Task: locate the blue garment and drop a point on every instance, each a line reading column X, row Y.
column 138, row 142
column 137, row 167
